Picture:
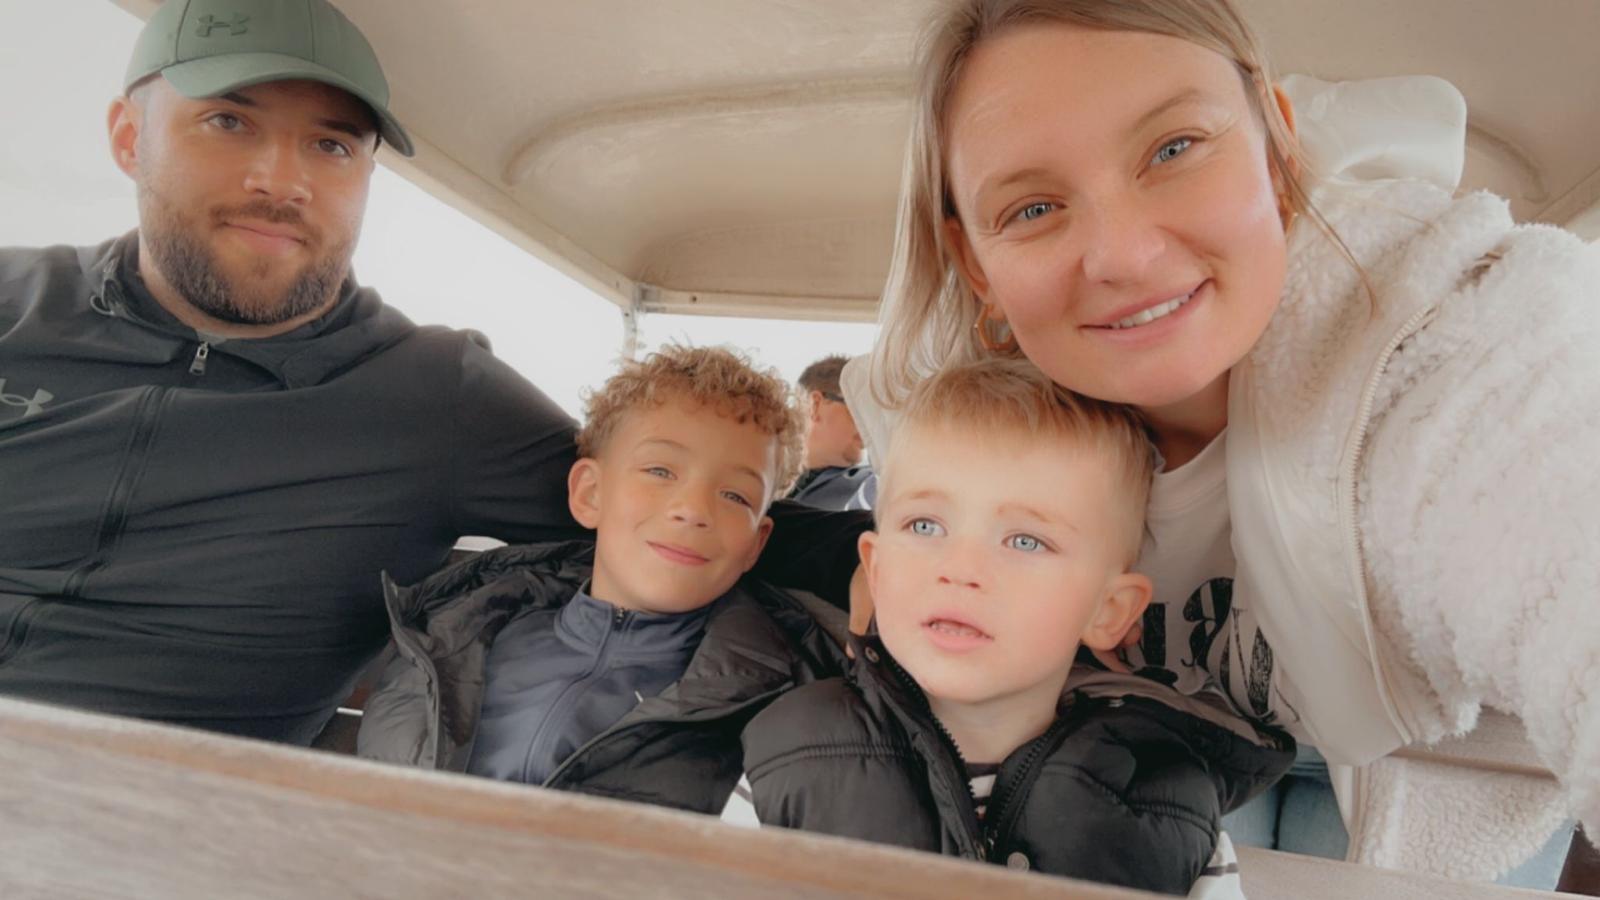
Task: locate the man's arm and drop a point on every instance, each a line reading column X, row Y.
column 511, row 449
column 813, row 550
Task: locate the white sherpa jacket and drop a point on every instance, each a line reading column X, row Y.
column 1412, row 478
column 1416, row 511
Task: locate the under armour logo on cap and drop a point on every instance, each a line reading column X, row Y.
column 208, row 48
column 29, row 406
column 238, row 25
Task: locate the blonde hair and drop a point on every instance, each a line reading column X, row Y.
column 716, row 378
column 1006, row 397
column 928, row 310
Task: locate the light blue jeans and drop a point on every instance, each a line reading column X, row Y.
column 1301, row 815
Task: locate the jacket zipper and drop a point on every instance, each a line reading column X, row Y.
column 201, row 354
column 619, row 617
column 116, row 514
column 1349, row 514
column 1001, row 818
column 109, row 302
column 618, row 730
column 981, row 848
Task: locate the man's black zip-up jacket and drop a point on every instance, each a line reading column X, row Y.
column 192, row 530
column 1121, row 789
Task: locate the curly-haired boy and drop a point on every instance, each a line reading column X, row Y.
column 626, row 667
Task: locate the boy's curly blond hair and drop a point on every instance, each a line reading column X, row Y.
column 716, row 377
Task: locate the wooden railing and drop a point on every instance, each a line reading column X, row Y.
column 96, row 806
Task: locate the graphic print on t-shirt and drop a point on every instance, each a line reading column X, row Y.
column 1208, row 608
column 1212, row 640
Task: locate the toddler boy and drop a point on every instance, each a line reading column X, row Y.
column 1010, row 516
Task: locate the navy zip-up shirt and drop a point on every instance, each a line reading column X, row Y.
column 558, row 678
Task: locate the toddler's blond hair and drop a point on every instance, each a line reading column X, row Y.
column 1006, row 398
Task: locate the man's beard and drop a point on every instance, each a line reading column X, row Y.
column 178, row 248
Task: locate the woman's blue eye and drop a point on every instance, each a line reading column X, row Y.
column 659, row 471
column 1171, row 150
column 1033, row 211
column 925, row 527
column 1027, row 543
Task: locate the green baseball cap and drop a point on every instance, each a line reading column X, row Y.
column 207, row 48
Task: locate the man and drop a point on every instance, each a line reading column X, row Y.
column 218, row 439
column 834, row 477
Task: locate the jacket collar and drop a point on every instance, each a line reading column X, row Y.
column 885, row 685
column 357, row 325
column 585, row 623
column 882, row 681
column 740, row 656
column 545, row 575
column 1242, row 760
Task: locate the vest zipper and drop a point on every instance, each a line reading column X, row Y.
column 116, row 514
column 201, row 354
column 1349, row 518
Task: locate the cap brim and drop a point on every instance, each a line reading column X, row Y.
column 212, row 76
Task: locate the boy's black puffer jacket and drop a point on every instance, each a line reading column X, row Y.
column 1124, row 790
column 678, row 749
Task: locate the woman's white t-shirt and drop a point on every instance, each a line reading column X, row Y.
column 1195, row 637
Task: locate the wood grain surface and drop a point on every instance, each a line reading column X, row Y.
column 100, row 807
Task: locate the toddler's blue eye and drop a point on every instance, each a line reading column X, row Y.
column 925, row 527
column 1027, row 543
column 1171, row 150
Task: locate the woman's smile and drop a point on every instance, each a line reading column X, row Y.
column 1153, row 325
column 1144, row 315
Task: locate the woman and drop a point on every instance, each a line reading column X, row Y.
column 1376, row 514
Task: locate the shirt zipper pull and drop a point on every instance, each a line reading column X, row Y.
column 201, row 353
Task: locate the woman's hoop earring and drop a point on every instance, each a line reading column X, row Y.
column 987, row 338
